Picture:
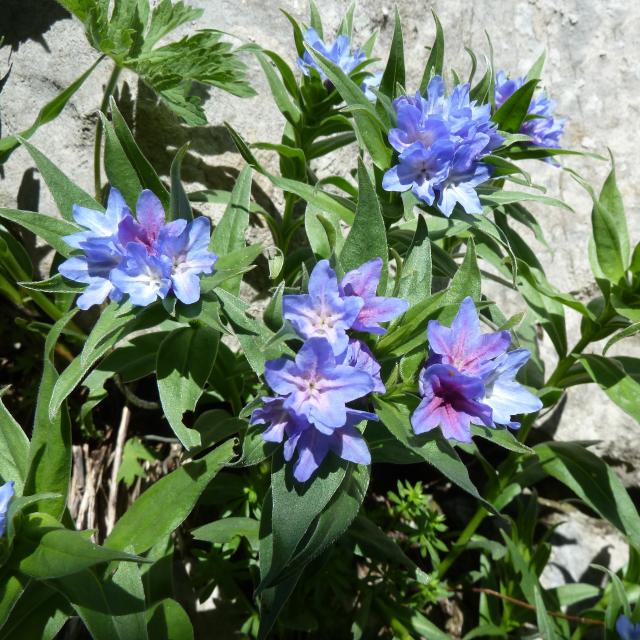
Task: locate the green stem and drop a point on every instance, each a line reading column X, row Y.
column 461, row 542
column 97, row 147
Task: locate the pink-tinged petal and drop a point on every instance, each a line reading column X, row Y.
column 364, row 280
column 377, row 310
column 150, row 213
column 348, row 444
column 465, row 327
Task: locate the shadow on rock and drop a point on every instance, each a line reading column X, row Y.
column 23, row 20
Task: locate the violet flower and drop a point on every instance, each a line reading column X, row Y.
column 470, row 378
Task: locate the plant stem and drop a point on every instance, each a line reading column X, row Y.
column 97, row 147
column 462, row 540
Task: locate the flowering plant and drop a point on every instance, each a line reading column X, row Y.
column 368, row 435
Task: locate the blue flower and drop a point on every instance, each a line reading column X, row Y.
column 626, row 629
column 312, row 445
column 363, row 283
column 359, row 356
column 323, row 312
column 441, row 142
column 330, row 308
column 6, row 494
column 144, row 257
column 310, row 408
column 541, row 126
column 339, row 53
column 470, row 378
column 316, row 387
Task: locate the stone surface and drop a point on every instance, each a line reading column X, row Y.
column 591, row 71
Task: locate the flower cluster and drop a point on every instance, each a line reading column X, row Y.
column 331, row 369
column 470, row 377
column 339, row 53
column 626, row 629
column 540, row 124
column 6, row 495
column 144, row 257
column 441, row 141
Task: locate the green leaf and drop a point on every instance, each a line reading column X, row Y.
column 415, row 283
column 50, row 229
column 370, row 131
column 50, row 448
column 147, row 174
column 130, row 467
column 315, row 19
column 537, row 67
column 367, row 238
column 273, row 599
column 502, row 437
column 627, row 332
column 185, row 360
column 279, row 91
column 510, row 197
column 610, row 230
column 118, row 167
column 433, row 448
column 43, row 551
column 111, row 609
column 545, row 624
column 14, row 449
column 49, row 112
column 435, row 61
column 510, row 116
column 165, row 505
column 610, row 375
column 65, row 192
column 167, row 620
column 229, row 234
column 593, row 481
column 180, row 206
column 55, row 284
column 223, row 531
column 334, row 519
column 39, row 613
column 295, row 507
column 394, row 71
column 467, row 279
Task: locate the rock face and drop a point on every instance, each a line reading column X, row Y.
column 591, row 72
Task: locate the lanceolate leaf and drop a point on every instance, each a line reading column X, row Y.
column 185, row 360
column 610, row 230
column 295, row 507
column 623, row 389
column 14, row 449
column 435, row 62
column 367, row 238
column 65, row 192
column 510, row 116
column 415, row 284
column 50, row 449
column 165, row 505
column 432, row 448
column 50, row 229
column 593, row 481
column 394, row 71
column 49, row 112
column 179, row 202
